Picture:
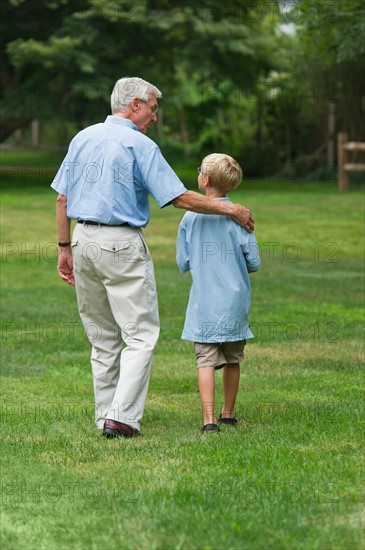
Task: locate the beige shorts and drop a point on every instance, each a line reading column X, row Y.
column 218, row 355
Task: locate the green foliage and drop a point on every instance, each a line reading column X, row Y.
column 332, row 60
column 233, row 79
column 333, row 31
column 89, row 44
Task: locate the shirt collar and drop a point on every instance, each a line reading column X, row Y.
column 113, row 119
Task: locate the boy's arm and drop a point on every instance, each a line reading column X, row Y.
column 203, row 205
column 252, row 253
column 182, row 251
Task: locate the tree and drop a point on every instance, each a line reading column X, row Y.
column 332, row 58
column 23, row 92
column 60, row 59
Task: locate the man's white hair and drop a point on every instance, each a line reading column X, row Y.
column 127, row 88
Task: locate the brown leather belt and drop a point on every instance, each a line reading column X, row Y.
column 89, row 222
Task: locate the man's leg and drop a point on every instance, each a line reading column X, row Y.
column 131, row 288
column 118, row 258
column 139, row 322
column 102, row 331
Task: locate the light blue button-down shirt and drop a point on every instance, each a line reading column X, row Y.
column 108, row 172
column 219, row 254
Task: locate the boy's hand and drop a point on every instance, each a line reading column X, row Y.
column 242, row 216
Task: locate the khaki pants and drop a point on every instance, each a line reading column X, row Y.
column 117, row 301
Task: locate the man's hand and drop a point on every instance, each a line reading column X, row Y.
column 190, row 200
column 65, row 267
column 243, row 217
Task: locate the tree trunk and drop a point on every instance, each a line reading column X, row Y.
column 331, row 127
column 160, row 125
column 184, row 132
column 9, row 125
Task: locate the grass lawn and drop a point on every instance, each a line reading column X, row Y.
column 290, row 476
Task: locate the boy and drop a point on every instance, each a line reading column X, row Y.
column 219, row 254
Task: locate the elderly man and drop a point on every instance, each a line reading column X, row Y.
column 104, row 183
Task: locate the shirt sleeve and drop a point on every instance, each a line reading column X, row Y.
column 160, row 179
column 182, row 249
column 251, row 252
column 65, row 174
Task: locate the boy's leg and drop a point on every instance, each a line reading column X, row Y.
column 206, row 388
column 209, row 356
column 234, row 354
column 231, row 380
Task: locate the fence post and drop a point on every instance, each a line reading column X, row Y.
column 35, row 133
column 331, row 136
column 343, row 179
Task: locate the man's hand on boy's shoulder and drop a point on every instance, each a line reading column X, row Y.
column 195, row 202
column 242, row 216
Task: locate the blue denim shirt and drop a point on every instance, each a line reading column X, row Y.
column 108, row 172
column 219, row 254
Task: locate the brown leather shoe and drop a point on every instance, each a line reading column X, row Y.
column 112, row 428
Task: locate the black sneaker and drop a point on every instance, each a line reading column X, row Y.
column 210, row 428
column 230, row 421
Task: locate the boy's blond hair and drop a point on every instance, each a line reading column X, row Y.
column 223, row 171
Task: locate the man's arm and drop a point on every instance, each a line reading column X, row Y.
column 65, row 262
column 202, row 205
